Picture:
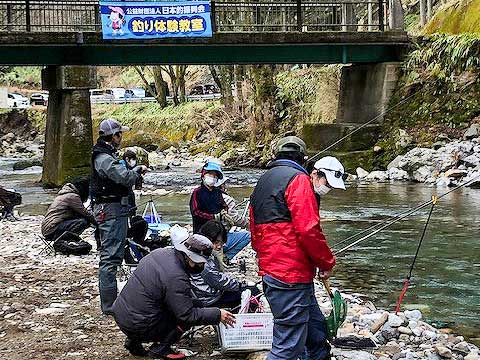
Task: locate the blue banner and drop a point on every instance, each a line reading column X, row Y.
column 153, row 20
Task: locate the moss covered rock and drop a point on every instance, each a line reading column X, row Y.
column 455, row 18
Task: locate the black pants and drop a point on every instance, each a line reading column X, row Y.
column 76, row 226
column 165, row 331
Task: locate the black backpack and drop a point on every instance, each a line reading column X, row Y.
column 72, row 244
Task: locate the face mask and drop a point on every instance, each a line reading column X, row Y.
column 196, row 269
column 322, row 190
column 132, row 163
column 209, row 180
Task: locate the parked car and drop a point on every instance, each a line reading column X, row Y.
column 154, row 88
column 39, row 99
column 15, row 100
column 135, row 93
column 204, row 90
column 99, row 95
column 117, row 93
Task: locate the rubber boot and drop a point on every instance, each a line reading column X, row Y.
column 135, row 347
column 107, row 298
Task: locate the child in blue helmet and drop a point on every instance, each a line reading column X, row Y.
column 207, row 203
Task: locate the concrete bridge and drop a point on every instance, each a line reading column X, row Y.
column 64, row 36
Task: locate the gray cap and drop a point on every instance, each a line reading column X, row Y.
column 197, row 247
column 291, row 143
column 110, row 127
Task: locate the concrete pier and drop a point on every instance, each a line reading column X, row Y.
column 365, row 90
column 68, row 136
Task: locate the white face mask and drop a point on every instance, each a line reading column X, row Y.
column 322, row 190
column 132, row 163
column 209, row 180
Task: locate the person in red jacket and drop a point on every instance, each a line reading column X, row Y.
column 291, row 248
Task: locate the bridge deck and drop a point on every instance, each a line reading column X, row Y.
column 88, row 48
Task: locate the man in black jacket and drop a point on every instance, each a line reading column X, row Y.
column 110, row 186
column 156, row 303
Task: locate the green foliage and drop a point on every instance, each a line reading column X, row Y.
column 22, row 76
column 444, row 56
column 172, row 124
column 438, row 92
column 456, row 18
column 308, row 95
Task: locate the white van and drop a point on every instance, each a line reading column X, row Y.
column 117, row 93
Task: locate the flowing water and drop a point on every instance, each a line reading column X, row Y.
column 446, row 280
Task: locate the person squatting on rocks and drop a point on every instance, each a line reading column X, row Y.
column 110, row 186
column 290, row 246
column 67, row 212
column 212, row 287
column 8, row 200
column 207, row 203
column 156, row 304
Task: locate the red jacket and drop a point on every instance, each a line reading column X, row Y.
column 285, row 225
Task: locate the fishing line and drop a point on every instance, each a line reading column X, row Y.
column 418, row 207
column 403, row 216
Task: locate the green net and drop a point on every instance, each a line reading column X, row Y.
column 337, row 316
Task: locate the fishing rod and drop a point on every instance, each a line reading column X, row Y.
column 315, row 157
column 418, row 207
column 404, row 216
column 409, row 276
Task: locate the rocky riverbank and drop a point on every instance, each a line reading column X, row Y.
column 50, row 309
column 447, row 163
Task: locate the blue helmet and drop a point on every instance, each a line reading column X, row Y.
column 213, row 166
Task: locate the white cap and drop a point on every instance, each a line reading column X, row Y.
column 333, row 170
column 221, row 181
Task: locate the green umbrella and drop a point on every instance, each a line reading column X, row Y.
column 339, row 311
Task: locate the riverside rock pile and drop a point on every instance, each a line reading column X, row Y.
column 446, row 164
column 50, row 310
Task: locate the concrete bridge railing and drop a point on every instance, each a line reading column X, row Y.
column 227, row 15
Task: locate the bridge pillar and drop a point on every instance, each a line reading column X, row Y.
column 365, row 90
column 68, row 136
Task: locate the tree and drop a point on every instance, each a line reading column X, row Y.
column 264, row 109
column 177, row 80
column 161, row 86
column 223, row 76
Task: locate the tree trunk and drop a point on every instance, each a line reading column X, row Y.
column 223, row 77
column 216, row 78
column 238, row 74
column 226, row 78
column 159, row 93
column 180, row 71
column 161, row 86
column 170, row 70
column 264, row 90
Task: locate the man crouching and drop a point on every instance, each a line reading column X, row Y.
column 156, row 304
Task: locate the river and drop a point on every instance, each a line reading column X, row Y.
column 446, row 280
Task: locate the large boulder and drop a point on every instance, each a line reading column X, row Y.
column 395, row 162
column 397, row 174
column 142, row 154
column 472, row 132
column 25, row 164
column 157, row 161
column 361, row 173
column 377, row 176
column 403, row 139
column 472, row 160
column 422, row 173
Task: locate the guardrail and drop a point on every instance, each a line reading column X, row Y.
column 227, row 15
column 105, row 100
